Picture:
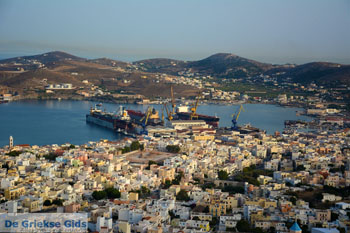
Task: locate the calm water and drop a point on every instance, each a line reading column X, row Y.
column 58, row 122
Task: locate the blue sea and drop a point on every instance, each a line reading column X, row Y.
column 49, row 122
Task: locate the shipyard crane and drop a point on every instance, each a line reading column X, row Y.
column 235, row 117
column 168, row 113
column 144, row 120
column 173, row 105
column 163, row 122
column 195, row 106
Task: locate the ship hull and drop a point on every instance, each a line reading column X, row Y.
column 117, row 125
column 210, row 120
column 137, row 117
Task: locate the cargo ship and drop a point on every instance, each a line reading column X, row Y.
column 138, row 117
column 183, row 113
column 120, row 122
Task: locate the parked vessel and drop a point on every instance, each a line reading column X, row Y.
column 138, row 117
column 119, row 122
column 183, row 113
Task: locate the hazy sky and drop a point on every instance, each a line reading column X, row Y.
column 276, row 31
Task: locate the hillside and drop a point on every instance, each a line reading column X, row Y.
column 110, row 62
column 229, row 65
column 142, row 77
column 32, row 73
column 320, row 72
column 161, row 65
column 45, row 58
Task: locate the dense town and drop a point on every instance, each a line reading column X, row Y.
column 192, row 178
column 189, row 176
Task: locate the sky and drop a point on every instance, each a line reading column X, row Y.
column 274, row 31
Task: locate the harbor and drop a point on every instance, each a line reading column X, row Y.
column 64, row 121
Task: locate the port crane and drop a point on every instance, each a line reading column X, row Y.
column 195, row 106
column 235, row 117
column 144, row 120
column 170, row 113
column 173, row 105
column 163, row 122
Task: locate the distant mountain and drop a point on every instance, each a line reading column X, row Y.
column 109, row 62
column 35, row 78
column 221, row 65
column 229, row 65
column 30, row 74
column 161, row 65
column 45, row 58
column 320, row 72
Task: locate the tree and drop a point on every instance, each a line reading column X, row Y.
column 99, row 195
column 233, row 189
column 5, row 165
column 14, row 153
column 58, row 202
column 257, row 230
column 182, row 195
column 213, row 222
column 167, row 184
column 51, row 156
column 126, row 149
column 173, row 148
column 293, row 200
column 47, row 203
column 243, row 226
column 142, row 147
column 150, row 162
column 171, row 214
column 145, row 190
column 334, row 216
column 112, row 193
column 300, row 168
column 223, row 175
column 71, row 146
column 135, row 145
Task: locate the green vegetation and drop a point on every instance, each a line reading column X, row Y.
column 149, row 164
column 243, row 226
column 182, row 196
column 51, row 156
column 208, row 186
column 110, row 193
column 58, row 202
column 338, row 169
column 178, row 178
column 223, row 175
column 135, row 145
column 250, row 175
column 99, row 195
column 213, row 222
column 233, row 189
column 167, row 184
column 143, row 192
column 300, row 168
column 126, row 149
column 173, row 148
column 47, row 203
column 14, row 153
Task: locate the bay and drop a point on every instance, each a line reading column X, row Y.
column 49, row 122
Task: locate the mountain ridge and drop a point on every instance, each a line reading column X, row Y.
column 220, row 65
